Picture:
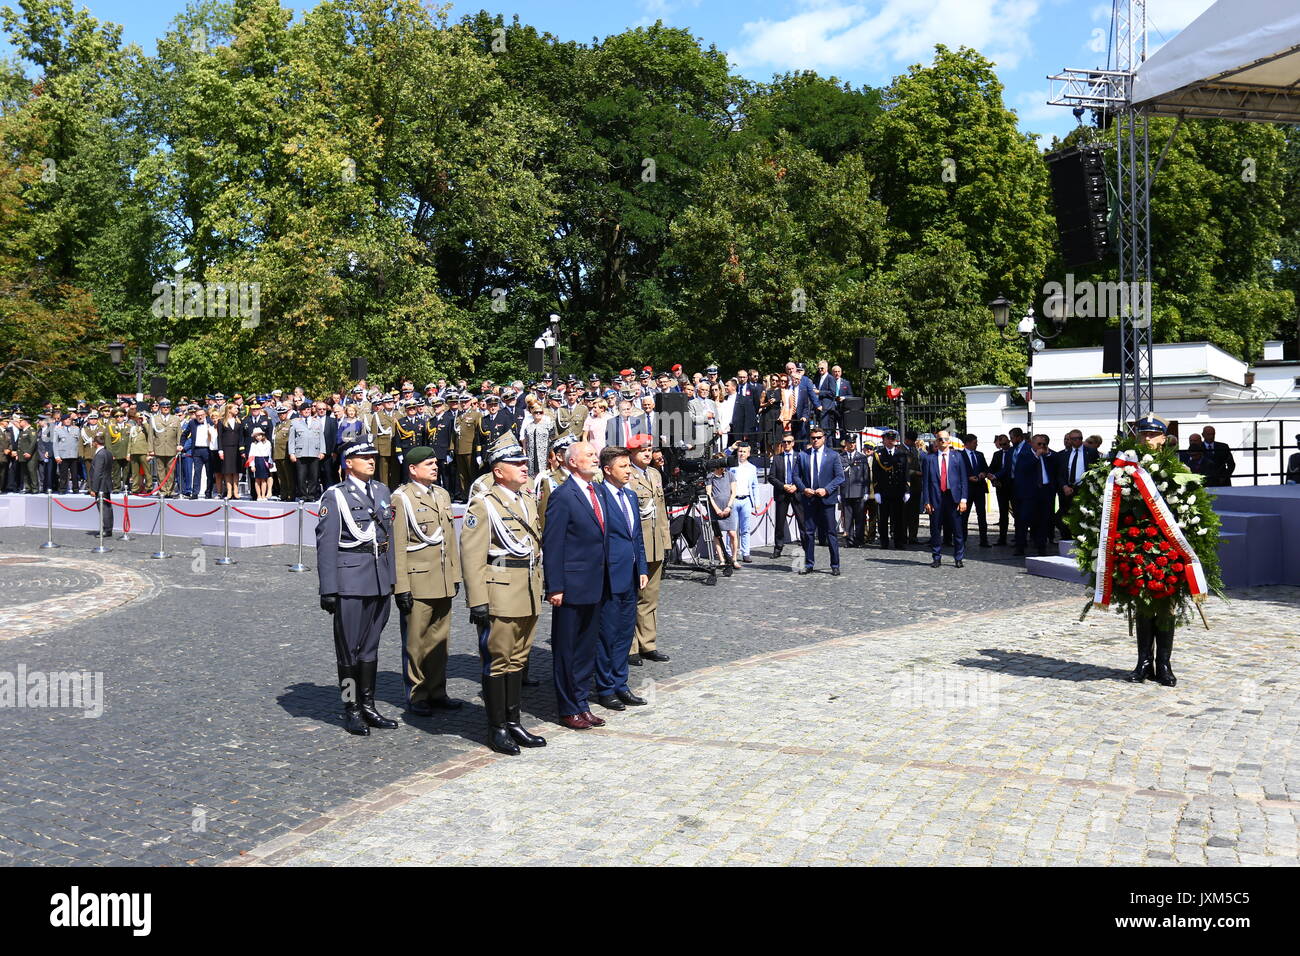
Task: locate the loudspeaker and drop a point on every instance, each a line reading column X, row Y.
column 358, row 369
column 158, row 387
column 1111, row 353
column 865, row 354
column 536, row 358
column 853, row 411
column 1079, row 194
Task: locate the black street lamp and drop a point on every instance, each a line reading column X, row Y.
column 1058, row 308
column 138, row 366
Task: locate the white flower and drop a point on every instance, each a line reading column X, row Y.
column 1202, row 530
column 1196, row 519
column 1191, row 500
column 1182, row 524
column 1124, row 491
column 1130, row 470
column 1146, row 458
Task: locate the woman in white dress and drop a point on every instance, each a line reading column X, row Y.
column 537, row 436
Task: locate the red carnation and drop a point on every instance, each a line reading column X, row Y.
column 1133, row 532
column 1125, row 568
column 1130, row 547
column 1178, row 567
column 1162, row 560
column 1128, row 519
column 1154, row 586
column 1152, row 531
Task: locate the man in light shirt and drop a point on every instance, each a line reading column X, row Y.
column 745, row 477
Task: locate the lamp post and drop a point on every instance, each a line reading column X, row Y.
column 549, row 343
column 1058, row 308
column 138, row 364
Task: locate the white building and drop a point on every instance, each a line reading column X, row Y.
column 1196, row 384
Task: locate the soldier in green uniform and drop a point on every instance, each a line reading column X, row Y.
column 117, row 439
column 138, row 452
column 648, row 485
column 500, row 558
column 164, row 446
column 285, row 472
column 380, row 422
column 89, row 431
column 428, row 577
column 26, row 460
column 467, row 428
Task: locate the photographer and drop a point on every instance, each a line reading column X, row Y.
column 722, row 498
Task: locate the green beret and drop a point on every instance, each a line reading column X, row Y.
column 418, row 455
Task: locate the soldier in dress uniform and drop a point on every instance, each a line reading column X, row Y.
column 411, row 430
column 356, row 568
column 467, row 442
column 501, row 560
column 648, row 486
column 428, row 577
column 138, row 450
column 549, row 480
column 284, row 471
column 891, row 478
column 89, row 430
column 497, row 422
column 855, row 492
column 165, row 445
column 380, row 423
column 443, row 428
column 117, row 439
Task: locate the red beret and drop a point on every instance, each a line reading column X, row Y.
column 639, row 441
column 626, row 371
column 677, row 368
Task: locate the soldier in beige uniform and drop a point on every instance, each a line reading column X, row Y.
column 285, row 470
column 165, row 445
column 649, row 487
column 501, row 560
column 89, row 430
column 428, row 577
column 117, row 439
column 138, row 451
column 467, row 429
column 380, row 424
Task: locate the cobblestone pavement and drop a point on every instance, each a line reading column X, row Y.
column 983, row 738
column 220, row 732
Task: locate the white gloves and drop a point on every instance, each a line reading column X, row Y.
column 906, row 498
column 877, row 497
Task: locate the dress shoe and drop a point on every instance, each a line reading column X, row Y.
column 934, row 563
column 657, row 656
column 746, row 558
column 446, row 703
column 592, row 719
column 634, row 660
column 957, row 564
column 353, row 722
column 835, row 572
column 575, row 722
column 805, row 570
column 631, row 699
column 776, row 552
column 610, row 702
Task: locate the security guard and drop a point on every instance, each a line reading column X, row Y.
column 428, row 577
column 648, row 485
column 354, row 562
column 500, row 557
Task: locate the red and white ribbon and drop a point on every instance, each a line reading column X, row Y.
column 1160, row 514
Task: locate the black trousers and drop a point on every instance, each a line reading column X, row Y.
column 893, row 518
column 308, row 478
column 106, row 514
column 913, row 508
column 786, row 503
column 855, row 520
column 979, row 504
column 1037, row 513
column 1004, row 511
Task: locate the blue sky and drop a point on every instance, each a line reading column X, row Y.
column 861, row 41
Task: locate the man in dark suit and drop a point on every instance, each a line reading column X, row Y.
column 818, row 479
column 1219, row 463
column 977, row 493
column 1034, row 488
column 832, row 391
column 744, row 411
column 575, row 562
column 620, row 429
column 1002, row 487
column 628, row 574
column 945, row 480
column 1072, row 464
column 807, row 406
column 100, row 483
column 785, row 493
column 1020, row 448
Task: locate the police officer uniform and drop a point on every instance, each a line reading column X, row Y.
column 657, row 539
column 428, row 577
column 501, row 561
column 855, row 492
column 356, row 570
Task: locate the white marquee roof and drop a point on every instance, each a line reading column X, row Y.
column 1239, row 60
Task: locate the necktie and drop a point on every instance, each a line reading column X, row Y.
column 600, row 518
column 1074, row 458
column 627, row 509
column 1042, row 463
column 943, row 471
column 789, row 467
column 816, row 462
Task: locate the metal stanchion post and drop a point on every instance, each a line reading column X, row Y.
column 101, row 549
column 162, row 520
column 298, row 565
column 49, row 520
column 225, row 557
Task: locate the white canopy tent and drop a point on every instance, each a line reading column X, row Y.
column 1239, row 60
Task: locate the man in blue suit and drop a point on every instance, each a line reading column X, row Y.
column 628, row 574
column 1034, row 490
column 807, row 407
column 575, row 563
column 945, row 483
column 817, row 480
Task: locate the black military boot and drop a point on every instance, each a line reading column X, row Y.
column 514, row 681
column 494, row 700
column 366, row 671
column 529, row 681
column 1145, row 669
column 1165, row 646
column 348, row 689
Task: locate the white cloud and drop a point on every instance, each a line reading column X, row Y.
column 836, row 35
